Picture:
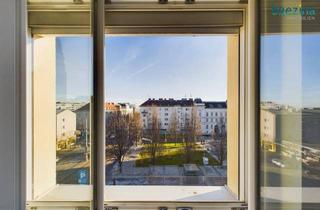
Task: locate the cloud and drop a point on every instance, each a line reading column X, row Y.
column 132, row 53
column 141, row 70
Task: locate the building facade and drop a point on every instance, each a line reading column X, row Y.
column 83, row 118
column 285, row 125
column 171, row 111
column 66, row 124
column 126, row 108
column 267, row 126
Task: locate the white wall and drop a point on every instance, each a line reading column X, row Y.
column 9, row 119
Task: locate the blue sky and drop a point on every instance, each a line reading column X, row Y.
column 138, row 68
column 290, row 69
column 74, row 68
column 141, row 67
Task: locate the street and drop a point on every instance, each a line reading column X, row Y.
column 294, row 173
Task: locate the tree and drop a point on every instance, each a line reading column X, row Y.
column 219, row 135
column 173, row 127
column 135, row 128
column 191, row 134
column 118, row 138
column 154, row 147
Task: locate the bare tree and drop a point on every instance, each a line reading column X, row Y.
column 154, row 147
column 191, row 134
column 219, row 135
column 135, row 128
column 173, row 127
column 118, row 140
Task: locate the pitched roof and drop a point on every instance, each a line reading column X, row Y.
column 58, row 111
column 215, row 104
column 84, row 108
column 183, row 102
column 168, row 102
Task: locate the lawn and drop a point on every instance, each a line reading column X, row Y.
column 173, row 154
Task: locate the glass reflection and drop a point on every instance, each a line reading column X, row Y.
column 290, row 106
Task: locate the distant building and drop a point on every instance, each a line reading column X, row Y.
column 83, row 118
column 66, row 124
column 111, row 107
column 298, row 127
column 123, row 108
column 209, row 113
column 126, row 108
column 69, row 105
column 267, row 126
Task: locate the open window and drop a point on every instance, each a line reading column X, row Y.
column 174, row 105
column 169, row 105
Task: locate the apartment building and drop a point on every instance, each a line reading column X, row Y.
column 83, row 118
column 209, row 113
column 296, row 126
column 124, row 108
column 66, row 124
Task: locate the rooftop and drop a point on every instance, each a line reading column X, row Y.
column 183, row 102
column 85, row 107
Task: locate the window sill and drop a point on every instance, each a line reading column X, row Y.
column 74, row 193
column 291, row 194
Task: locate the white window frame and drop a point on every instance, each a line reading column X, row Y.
column 248, row 89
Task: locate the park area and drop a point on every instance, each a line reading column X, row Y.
column 170, row 167
column 174, row 154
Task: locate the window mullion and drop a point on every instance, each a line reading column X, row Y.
column 98, row 104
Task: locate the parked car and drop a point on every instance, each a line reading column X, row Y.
column 278, row 162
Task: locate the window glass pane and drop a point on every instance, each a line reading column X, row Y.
column 73, row 109
column 62, row 94
column 160, row 91
column 59, row 151
column 290, row 104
